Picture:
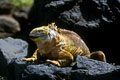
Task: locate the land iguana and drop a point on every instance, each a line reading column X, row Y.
column 60, row 46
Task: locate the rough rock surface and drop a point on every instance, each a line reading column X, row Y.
column 75, row 12
column 13, row 21
column 96, row 21
column 6, row 7
column 8, row 26
column 9, row 50
column 82, row 69
column 12, row 67
column 22, row 16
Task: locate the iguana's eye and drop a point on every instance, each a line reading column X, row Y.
column 39, row 32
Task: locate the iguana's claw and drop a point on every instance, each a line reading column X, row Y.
column 53, row 62
column 29, row 59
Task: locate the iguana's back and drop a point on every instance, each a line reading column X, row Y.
column 76, row 39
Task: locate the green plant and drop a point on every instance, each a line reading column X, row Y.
column 22, row 3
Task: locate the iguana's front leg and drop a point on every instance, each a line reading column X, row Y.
column 64, row 59
column 33, row 58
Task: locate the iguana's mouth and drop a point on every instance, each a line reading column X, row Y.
column 33, row 37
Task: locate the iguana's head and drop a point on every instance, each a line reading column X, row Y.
column 44, row 33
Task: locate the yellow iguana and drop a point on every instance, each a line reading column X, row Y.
column 60, row 46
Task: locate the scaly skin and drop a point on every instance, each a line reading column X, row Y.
column 60, row 46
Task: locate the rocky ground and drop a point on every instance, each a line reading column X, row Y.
column 96, row 21
column 12, row 51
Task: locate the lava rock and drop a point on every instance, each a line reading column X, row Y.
column 82, row 69
column 8, row 26
column 9, row 50
column 6, row 7
column 89, row 69
column 44, row 71
column 74, row 12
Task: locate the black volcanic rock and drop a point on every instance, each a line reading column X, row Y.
column 6, row 7
column 8, row 26
column 82, row 69
column 11, row 49
column 75, row 12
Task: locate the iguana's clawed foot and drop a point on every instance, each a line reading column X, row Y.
column 54, row 62
column 48, row 60
column 29, row 59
